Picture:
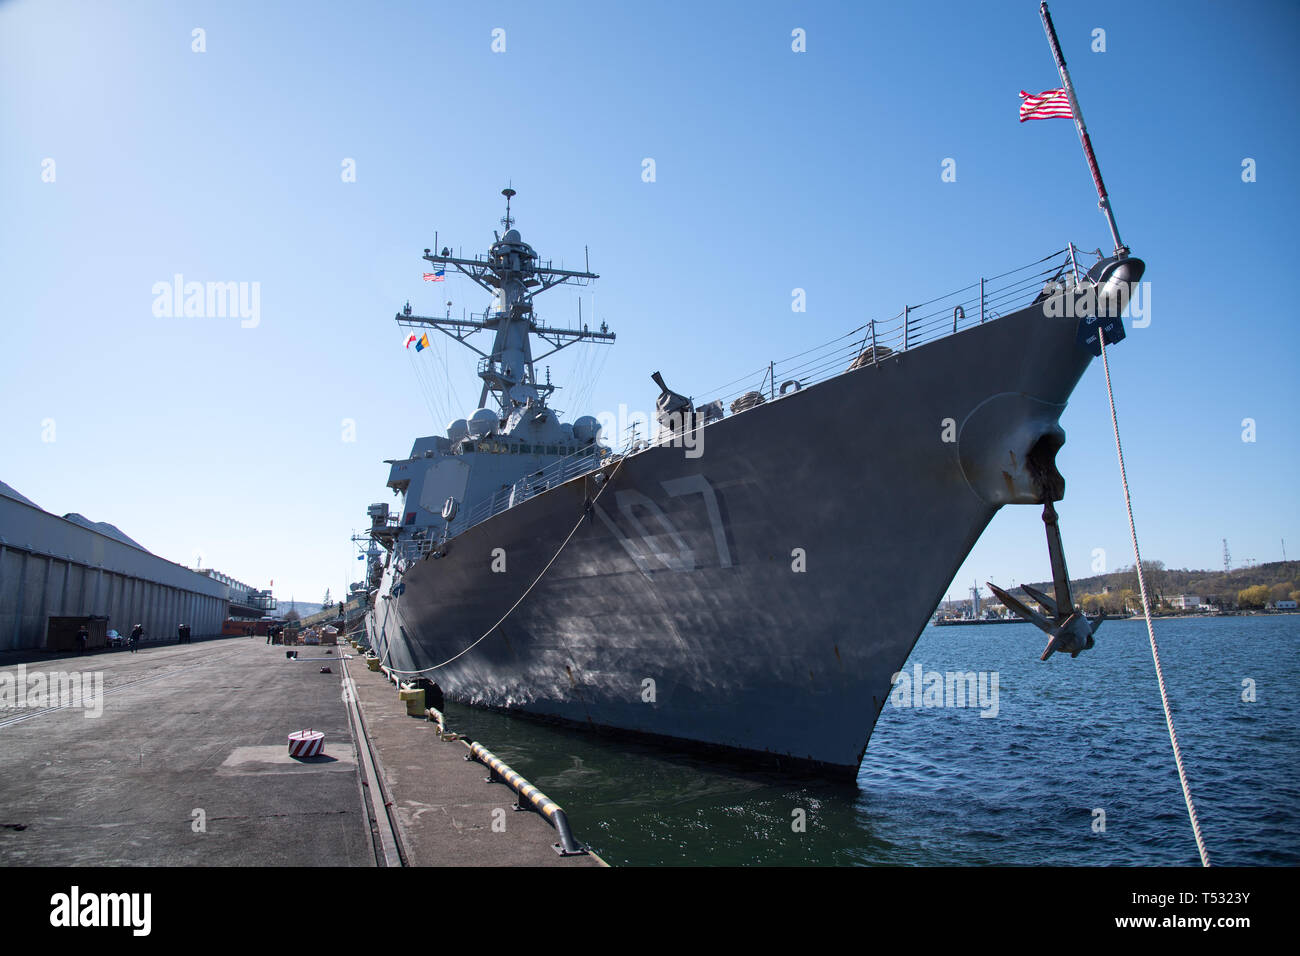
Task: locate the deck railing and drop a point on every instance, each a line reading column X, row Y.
column 984, row 300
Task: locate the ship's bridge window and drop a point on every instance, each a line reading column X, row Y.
column 525, row 449
column 551, row 450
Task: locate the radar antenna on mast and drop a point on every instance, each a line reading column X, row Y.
column 507, row 221
column 513, row 274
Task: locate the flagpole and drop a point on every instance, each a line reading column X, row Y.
column 1121, row 250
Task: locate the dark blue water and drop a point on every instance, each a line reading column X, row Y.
column 946, row 786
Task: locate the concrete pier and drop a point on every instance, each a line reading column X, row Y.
column 186, row 763
column 445, row 813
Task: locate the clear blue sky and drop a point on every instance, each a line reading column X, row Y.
column 775, row 170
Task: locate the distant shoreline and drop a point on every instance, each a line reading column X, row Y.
column 1138, row 617
column 958, row 622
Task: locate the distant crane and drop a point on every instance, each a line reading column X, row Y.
column 1227, row 557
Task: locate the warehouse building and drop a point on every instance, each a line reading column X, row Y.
column 62, row 567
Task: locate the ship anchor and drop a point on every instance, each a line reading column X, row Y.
column 1069, row 629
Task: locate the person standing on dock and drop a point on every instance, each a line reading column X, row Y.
column 82, row 636
column 137, row 632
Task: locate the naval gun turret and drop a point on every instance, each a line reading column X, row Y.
column 673, row 410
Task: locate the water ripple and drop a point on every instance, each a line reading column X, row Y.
column 1076, row 742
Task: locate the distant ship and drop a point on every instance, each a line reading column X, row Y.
column 973, row 615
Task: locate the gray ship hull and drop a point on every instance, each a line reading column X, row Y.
column 686, row 571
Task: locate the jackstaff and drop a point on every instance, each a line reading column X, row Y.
column 1121, row 250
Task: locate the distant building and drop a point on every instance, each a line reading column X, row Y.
column 1284, row 605
column 1186, row 602
column 245, row 601
column 54, row 567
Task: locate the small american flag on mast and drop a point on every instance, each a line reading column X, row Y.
column 438, row 276
column 1050, row 104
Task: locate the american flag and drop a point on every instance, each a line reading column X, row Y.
column 438, row 276
column 1051, row 104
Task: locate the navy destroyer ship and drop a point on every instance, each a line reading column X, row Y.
column 752, row 576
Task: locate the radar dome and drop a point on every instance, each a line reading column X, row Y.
column 458, row 430
column 511, row 236
column 483, row 422
column 566, row 430
column 586, row 428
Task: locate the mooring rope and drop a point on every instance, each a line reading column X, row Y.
column 585, row 512
column 1146, row 608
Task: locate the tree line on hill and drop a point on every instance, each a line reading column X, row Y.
column 1246, row 588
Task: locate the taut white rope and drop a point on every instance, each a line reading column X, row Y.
column 1146, row 608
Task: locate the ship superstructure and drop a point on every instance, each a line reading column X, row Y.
column 515, row 443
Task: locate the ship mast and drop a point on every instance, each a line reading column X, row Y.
column 513, row 274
